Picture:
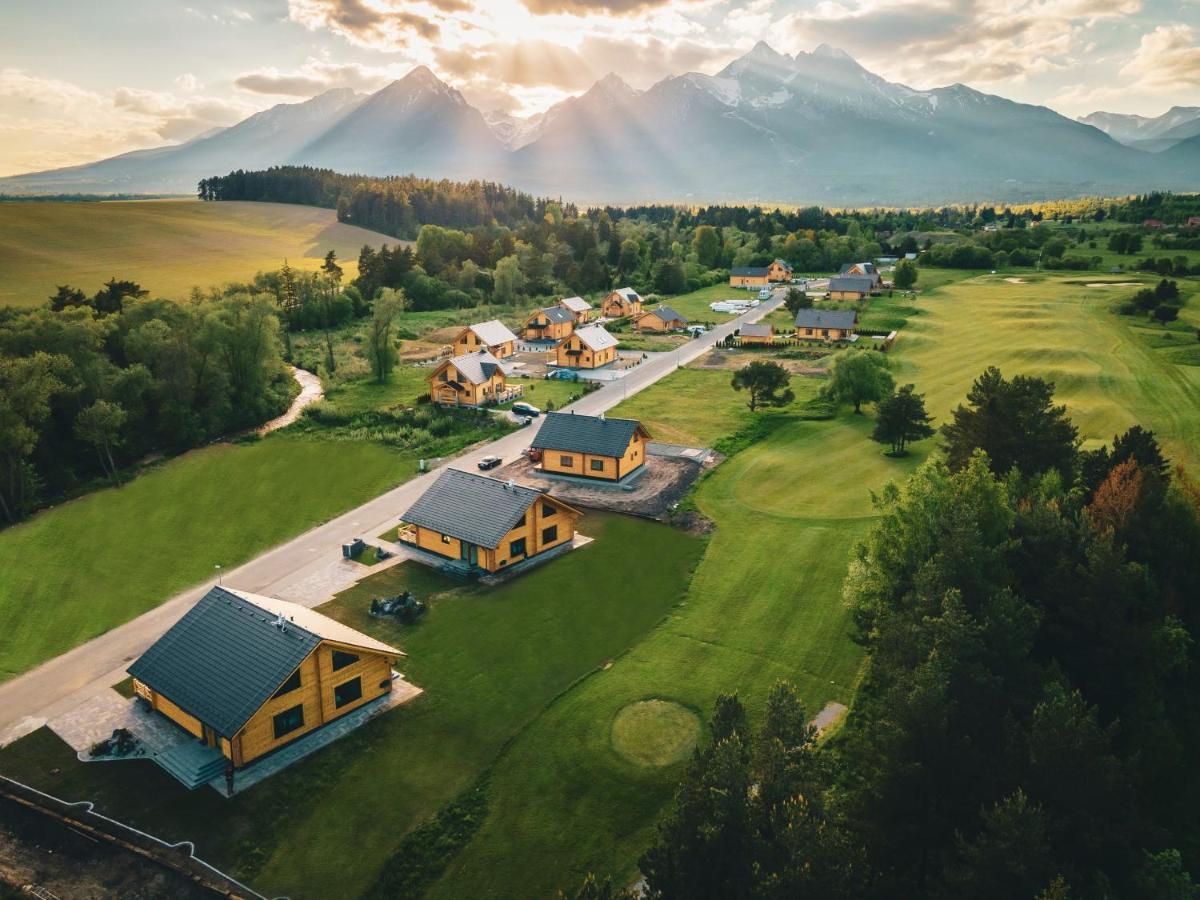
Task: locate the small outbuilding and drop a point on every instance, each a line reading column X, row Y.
column 591, row 446
column 621, row 303
column 660, row 319
column 550, row 324
column 492, row 336
column 826, row 324
column 474, row 525
column 757, row 333
column 246, row 675
column 587, row 348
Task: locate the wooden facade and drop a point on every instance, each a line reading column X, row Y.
column 547, row 524
column 618, row 305
column 321, row 695
column 469, row 341
column 596, row 465
column 540, row 327
column 757, row 334
column 658, row 321
column 747, row 278
column 451, row 385
column 779, row 271
column 575, row 353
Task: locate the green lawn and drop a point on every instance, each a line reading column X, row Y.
column 167, row 246
column 489, row 660
column 542, row 392
column 695, row 306
column 75, row 571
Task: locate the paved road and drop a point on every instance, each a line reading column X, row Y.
column 60, row 684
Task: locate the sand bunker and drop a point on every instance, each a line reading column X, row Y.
column 1097, row 284
column 1016, row 281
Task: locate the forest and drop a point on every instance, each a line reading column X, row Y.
column 1028, row 718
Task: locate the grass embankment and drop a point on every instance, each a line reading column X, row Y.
column 490, row 662
column 167, row 246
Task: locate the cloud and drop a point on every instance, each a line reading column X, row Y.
column 586, row 7
column 318, row 75
column 374, row 23
column 1167, row 58
column 174, row 118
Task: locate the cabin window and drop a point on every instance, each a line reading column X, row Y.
column 347, row 692
column 520, row 522
column 341, row 659
column 548, row 510
column 288, row 721
column 597, row 465
column 517, row 547
column 550, row 535
column 288, row 686
column 566, row 462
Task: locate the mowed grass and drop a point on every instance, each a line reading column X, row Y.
column 75, row 571
column 489, row 661
column 167, row 246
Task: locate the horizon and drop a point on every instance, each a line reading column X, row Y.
column 62, row 105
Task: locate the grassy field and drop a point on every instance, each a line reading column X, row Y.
column 167, row 246
column 490, row 662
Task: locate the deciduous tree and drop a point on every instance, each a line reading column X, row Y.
column 858, row 377
column 767, row 383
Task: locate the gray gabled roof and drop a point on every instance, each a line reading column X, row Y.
column 556, row 314
column 783, row 262
column 666, row 314
column 596, row 337
column 586, row 434
column 472, row 508
column 223, row 660
column 757, row 329
column 826, row 318
column 493, row 333
column 759, row 271
column 860, row 283
column 575, row 304
column 629, row 294
column 868, row 268
column 477, row 367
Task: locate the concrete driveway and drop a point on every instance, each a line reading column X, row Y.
column 307, row 569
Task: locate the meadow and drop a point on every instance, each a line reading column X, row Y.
column 530, row 686
column 167, row 246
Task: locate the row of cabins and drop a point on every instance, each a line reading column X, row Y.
column 811, row 324
column 247, row 675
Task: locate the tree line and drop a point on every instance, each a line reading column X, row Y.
column 89, row 385
column 1029, row 713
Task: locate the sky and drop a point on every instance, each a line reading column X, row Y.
column 85, row 79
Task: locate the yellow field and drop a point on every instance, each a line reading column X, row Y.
column 167, row 246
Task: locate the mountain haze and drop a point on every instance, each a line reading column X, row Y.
column 813, row 127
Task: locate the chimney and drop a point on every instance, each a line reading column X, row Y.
column 280, row 622
column 512, row 484
column 601, row 417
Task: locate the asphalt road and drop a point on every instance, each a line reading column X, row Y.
column 60, row 684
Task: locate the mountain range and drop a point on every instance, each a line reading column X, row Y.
column 814, row 127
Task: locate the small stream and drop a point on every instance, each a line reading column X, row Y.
column 310, row 392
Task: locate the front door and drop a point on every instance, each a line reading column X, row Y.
column 469, row 553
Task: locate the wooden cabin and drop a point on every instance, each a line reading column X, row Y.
column 750, row 276
column 579, row 308
column 621, row 303
column 826, row 324
column 854, row 288
column 591, row 446
column 492, row 336
column 862, row 270
column 246, row 675
column 779, row 272
column 660, row 320
column 587, row 348
column 757, row 333
column 481, row 525
column 473, row 379
column 550, row 324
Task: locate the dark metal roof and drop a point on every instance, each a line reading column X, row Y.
column 783, row 262
column 557, row 315
column 472, row 508
column 826, row 318
column 867, row 268
column 666, row 314
column 757, row 329
column 760, row 271
column 586, row 434
column 860, row 283
column 224, row 659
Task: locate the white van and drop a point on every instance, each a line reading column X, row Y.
column 764, row 294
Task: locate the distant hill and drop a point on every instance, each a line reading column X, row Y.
column 814, row 127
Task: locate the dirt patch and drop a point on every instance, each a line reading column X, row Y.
column 829, row 716
column 443, row 335
column 732, row 360
column 419, row 351
column 39, row 851
column 1104, row 284
column 1016, row 281
column 665, row 481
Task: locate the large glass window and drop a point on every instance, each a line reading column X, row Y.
column 288, row 721
column 517, row 547
column 550, row 535
column 341, row 659
column 597, row 465
column 548, row 509
column 288, row 686
column 347, row 692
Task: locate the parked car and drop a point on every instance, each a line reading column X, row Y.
column 764, row 294
column 489, row 462
column 525, row 409
column 696, row 330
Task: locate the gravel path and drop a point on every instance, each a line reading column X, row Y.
column 310, row 392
